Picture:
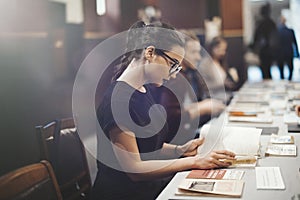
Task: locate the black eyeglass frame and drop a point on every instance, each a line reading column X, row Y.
column 175, row 67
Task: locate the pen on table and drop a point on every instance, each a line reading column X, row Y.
column 239, row 113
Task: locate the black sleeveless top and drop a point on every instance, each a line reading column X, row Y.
column 132, row 110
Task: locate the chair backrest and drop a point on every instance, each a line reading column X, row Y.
column 62, row 146
column 34, row 182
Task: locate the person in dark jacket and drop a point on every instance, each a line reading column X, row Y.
column 265, row 41
column 288, row 48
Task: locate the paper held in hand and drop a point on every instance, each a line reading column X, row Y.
column 243, row 161
column 243, row 141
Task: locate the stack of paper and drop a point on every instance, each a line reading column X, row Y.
column 281, row 146
column 233, row 188
column 225, row 174
column 250, row 119
column 281, row 150
column 243, row 141
column 269, row 178
column 282, row 139
column 257, row 97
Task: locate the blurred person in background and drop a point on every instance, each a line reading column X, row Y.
column 265, row 42
column 220, row 79
column 191, row 106
column 288, row 48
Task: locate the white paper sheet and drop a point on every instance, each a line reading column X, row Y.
column 269, row 178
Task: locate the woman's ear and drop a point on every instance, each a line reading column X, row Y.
column 149, row 53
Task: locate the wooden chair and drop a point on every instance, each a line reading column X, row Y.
column 32, row 182
column 62, row 146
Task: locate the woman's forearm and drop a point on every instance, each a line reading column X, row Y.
column 154, row 169
column 170, row 151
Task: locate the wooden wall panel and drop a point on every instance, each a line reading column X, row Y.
column 231, row 13
column 184, row 14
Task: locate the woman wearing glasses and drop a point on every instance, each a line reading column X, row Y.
column 132, row 155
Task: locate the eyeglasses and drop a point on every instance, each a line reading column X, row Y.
column 175, row 67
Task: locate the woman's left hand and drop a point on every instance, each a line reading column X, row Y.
column 190, row 148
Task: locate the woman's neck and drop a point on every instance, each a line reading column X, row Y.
column 134, row 76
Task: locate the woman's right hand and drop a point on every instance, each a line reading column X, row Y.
column 215, row 159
